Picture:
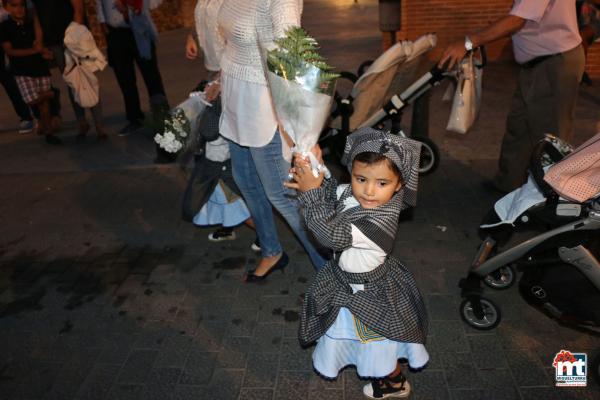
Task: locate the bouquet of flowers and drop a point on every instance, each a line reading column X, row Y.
column 179, row 125
column 302, row 87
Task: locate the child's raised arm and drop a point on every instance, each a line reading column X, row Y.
column 319, row 209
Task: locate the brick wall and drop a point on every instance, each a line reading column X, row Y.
column 451, row 19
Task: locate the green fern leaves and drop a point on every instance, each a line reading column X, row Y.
column 296, row 59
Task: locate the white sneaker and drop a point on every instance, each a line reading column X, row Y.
column 26, row 126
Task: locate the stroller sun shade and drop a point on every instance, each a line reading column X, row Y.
column 577, row 177
column 390, row 74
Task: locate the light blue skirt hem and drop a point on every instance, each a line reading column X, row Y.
column 217, row 211
column 341, row 347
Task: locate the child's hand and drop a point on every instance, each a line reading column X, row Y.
column 304, row 180
column 47, row 54
column 37, row 46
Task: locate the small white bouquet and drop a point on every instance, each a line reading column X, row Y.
column 180, row 123
column 302, row 87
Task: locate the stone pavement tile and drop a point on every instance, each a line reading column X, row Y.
column 460, row 371
column 63, row 389
column 527, row 368
column 353, row 386
column 225, row 384
column 126, row 392
column 556, row 393
column 267, row 338
column 294, row 357
column 209, row 335
column 174, row 351
column 449, row 336
column 116, row 349
column 498, row 383
column 189, row 392
column 161, row 384
column 442, row 307
column 261, row 370
column 429, row 385
column 198, row 368
column 318, row 383
column 256, row 394
column 487, row 351
column 138, row 367
column 292, row 385
column 37, row 380
column 271, row 309
column 162, row 307
column 485, row 394
column 153, row 335
column 243, row 322
column 329, row 394
column 217, row 309
column 98, row 382
column 79, row 364
column 514, row 334
column 234, row 353
column 291, row 327
column 187, row 319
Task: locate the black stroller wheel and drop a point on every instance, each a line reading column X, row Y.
column 490, row 318
column 430, row 155
column 501, row 279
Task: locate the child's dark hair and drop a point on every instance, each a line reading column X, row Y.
column 370, row 158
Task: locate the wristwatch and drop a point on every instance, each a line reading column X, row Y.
column 468, row 43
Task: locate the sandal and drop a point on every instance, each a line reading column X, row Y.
column 387, row 387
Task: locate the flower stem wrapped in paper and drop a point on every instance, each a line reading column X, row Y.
column 302, row 87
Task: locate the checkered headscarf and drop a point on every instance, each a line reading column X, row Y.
column 403, row 152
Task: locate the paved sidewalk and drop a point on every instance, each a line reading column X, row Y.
column 106, row 294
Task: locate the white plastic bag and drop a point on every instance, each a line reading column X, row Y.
column 467, row 98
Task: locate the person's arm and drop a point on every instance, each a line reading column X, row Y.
column 38, row 43
column 285, row 14
column 191, row 47
column 503, row 27
column 318, row 202
column 78, row 11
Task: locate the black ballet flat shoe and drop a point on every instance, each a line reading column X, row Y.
column 280, row 264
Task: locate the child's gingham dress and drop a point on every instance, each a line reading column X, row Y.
column 364, row 307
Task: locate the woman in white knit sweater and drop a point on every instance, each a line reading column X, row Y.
column 249, row 122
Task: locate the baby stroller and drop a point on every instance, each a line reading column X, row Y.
column 561, row 272
column 381, row 90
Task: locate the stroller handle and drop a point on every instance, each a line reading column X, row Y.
column 537, row 170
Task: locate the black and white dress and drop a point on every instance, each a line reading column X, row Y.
column 363, row 308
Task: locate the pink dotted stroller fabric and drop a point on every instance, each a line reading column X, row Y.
column 577, row 177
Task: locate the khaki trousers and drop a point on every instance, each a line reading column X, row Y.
column 544, row 102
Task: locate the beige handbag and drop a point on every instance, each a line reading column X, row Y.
column 467, row 98
column 84, row 83
column 577, row 176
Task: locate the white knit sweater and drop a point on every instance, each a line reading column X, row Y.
column 211, row 42
column 243, row 23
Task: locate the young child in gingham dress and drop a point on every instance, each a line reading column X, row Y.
column 364, row 308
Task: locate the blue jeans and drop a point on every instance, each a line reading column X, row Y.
column 260, row 172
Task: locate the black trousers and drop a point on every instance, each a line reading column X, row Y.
column 122, row 55
column 12, row 90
